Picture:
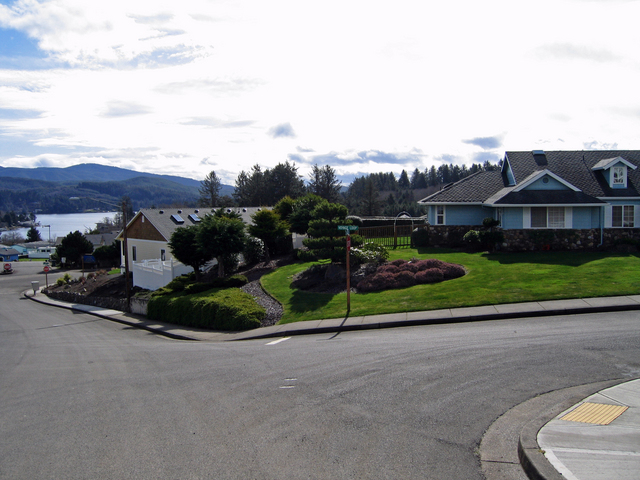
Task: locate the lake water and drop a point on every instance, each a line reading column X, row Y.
column 63, row 224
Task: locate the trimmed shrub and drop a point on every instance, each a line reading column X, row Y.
column 451, row 271
column 388, row 268
column 253, row 250
column 420, row 237
column 402, row 274
column 234, row 281
column 405, row 279
column 431, row 275
column 229, row 309
column 408, row 267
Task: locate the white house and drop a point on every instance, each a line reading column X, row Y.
column 148, row 235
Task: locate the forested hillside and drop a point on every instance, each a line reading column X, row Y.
column 49, row 190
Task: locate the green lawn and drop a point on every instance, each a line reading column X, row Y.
column 491, row 279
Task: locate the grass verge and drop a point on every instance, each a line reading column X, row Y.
column 492, row 279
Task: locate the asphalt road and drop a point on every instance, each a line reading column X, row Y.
column 82, row 397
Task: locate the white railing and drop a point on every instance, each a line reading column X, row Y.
column 155, row 274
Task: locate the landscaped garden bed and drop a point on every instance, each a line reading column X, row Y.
column 491, row 279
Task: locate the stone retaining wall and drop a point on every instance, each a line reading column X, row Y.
column 451, row 236
column 138, row 305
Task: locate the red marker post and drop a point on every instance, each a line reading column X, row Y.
column 348, row 229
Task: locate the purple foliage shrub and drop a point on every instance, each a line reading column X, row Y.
column 388, row 268
column 402, row 274
column 430, row 275
column 451, row 271
column 405, row 279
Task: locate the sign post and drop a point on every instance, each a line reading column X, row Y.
column 46, row 275
column 348, row 229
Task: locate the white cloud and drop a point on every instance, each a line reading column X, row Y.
column 370, row 86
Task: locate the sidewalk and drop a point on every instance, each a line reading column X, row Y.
column 345, row 324
column 596, row 439
column 573, row 449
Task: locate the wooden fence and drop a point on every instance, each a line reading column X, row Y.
column 389, row 235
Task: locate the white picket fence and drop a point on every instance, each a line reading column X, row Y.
column 155, row 274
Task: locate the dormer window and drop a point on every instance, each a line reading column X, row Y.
column 619, row 176
column 615, row 171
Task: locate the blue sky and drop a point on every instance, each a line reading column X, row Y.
column 187, row 87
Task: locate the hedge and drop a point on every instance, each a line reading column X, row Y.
column 228, row 309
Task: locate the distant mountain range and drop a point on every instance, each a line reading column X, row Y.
column 48, row 190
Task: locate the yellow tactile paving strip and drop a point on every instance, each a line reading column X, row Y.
column 596, row 413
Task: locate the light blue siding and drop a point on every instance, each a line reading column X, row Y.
column 585, row 217
column 466, row 215
column 552, row 184
column 512, row 218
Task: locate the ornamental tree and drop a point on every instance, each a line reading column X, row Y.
column 268, row 227
column 185, row 247
column 73, row 246
column 325, row 240
column 219, row 237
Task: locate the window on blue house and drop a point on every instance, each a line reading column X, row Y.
column 618, row 176
column 547, row 217
column 623, row 216
column 440, row 215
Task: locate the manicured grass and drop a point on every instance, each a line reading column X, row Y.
column 492, row 279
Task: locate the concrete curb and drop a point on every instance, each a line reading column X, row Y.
column 302, row 329
column 532, row 458
column 136, row 324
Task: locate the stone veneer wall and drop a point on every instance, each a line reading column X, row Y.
column 540, row 239
column 569, row 239
column 138, row 305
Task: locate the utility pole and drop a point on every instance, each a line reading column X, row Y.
column 126, row 255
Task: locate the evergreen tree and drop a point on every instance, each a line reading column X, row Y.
column 432, row 177
column 185, row 247
column 33, row 235
column 325, row 240
column 72, row 247
column 209, row 190
column 403, row 181
column 281, row 181
column 268, row 227
column 370, row 201
column 418, row 180
column 324, row 183
column 218, row 237
column 251, row 188
column 300, row 215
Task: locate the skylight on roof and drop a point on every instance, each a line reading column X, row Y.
column 194, row 218
column 177, row 218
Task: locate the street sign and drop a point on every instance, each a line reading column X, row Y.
column 348, row 228
column 7, row 266
column 46, row 269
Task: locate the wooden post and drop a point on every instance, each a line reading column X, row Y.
column 348, row 273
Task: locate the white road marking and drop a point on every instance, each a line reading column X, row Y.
column 278, row 341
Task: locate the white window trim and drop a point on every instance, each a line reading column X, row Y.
column 623, row 169
column 444, row 215
column 568, row 218
column 609, row 213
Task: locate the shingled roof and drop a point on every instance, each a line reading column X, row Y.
column 166, row 220
column 582, row 169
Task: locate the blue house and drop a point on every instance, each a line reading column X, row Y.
column 546, row 190
column 8, row 255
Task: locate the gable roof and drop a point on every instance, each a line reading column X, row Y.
column 582, row 170
column 167, row 220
